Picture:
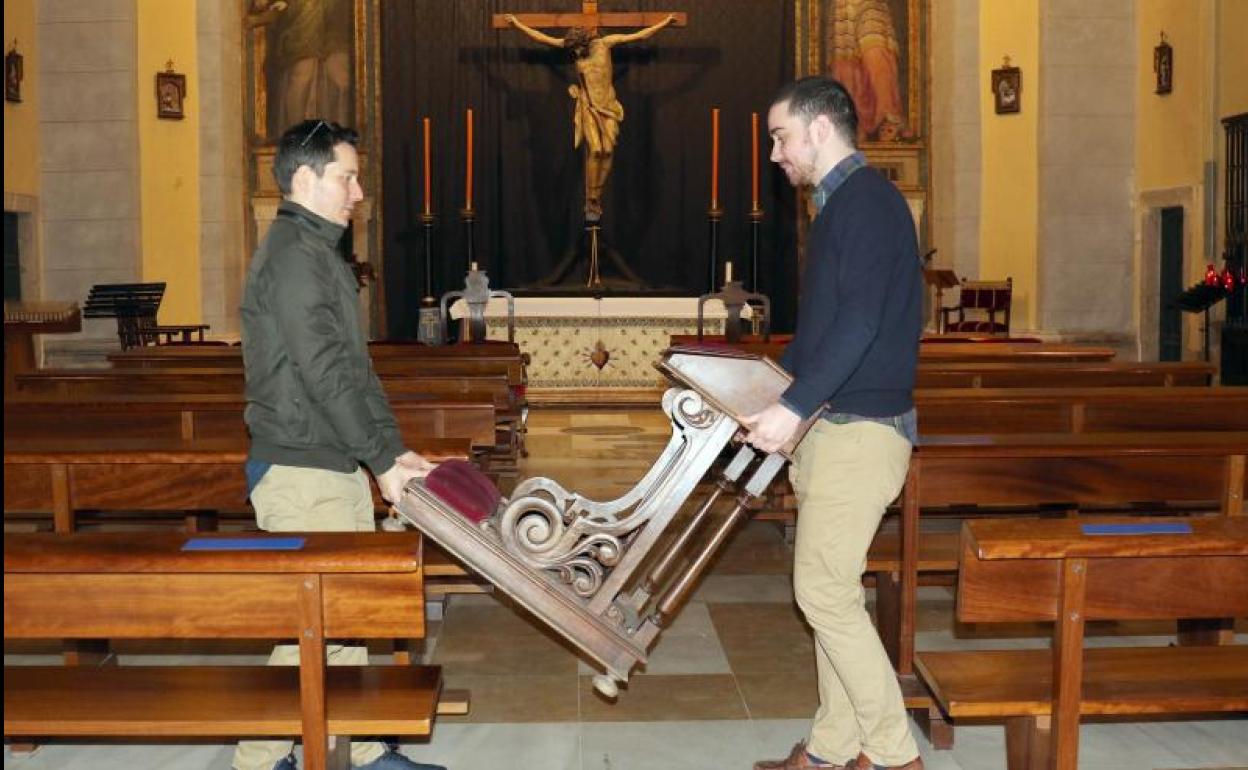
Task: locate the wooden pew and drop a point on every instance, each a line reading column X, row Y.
column 930, row 352
column 956, row 374
column 1080, row 410
column 1014, row 367
column 64, row 477
column 334, row 586
column 192, row 416
column 1028, row 470
column 387, row 358
column 65, row 481
column 463, row 393
column 1030, row 570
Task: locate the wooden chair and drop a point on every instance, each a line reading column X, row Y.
column 134, row 305
column 986, row 302
column 477, row 295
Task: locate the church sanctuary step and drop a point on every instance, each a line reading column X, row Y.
column 209, row 701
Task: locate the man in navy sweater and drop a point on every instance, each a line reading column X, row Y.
column 855, row 352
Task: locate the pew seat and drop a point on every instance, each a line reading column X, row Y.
column 1117, row 681
column 212, row 701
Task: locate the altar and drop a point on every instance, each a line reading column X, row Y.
column 608, row 345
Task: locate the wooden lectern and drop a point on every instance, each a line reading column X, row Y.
column 941, row 280
column 577, row 564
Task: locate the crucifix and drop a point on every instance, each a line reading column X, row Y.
column 598, row 112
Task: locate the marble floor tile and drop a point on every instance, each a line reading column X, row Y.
column 665, row 698
column 732, row 589
column 515, row 698
column 689, row 646
column 764, row 638
column 667, row 745
column 779, row 695
column 499, row 746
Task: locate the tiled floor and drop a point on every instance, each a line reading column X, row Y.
column 731, row 681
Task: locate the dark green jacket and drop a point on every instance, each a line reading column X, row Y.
column 313, row 399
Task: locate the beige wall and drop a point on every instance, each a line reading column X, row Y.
column 89, row 160
column 1009, row 203
column 169, row 159
column 21, row 119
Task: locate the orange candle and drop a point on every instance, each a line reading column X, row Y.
column 468, row 174
column 428, row 186
column 754, row 161
column 715, row 158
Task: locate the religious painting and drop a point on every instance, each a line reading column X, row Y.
column 303, row 61
column 1007, row 86
column 1163, row 66
column 13, row 74
column 875, row 48
column 170, row 94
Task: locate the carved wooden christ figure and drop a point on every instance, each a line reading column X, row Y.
column 598, row 112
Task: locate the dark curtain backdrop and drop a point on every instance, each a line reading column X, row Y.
column 440, row 57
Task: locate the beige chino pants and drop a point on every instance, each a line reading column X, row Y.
column 845, row 475
column 290, row 499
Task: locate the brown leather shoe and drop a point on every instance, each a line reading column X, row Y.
column 863, row 763
column 798, row 759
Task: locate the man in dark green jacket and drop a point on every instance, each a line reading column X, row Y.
column 315, row 408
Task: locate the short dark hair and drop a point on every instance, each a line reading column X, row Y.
column 310, row 143
column 816, row 95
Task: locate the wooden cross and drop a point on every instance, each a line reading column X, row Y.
column 589, row 18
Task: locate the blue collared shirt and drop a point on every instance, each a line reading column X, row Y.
column 836, row 177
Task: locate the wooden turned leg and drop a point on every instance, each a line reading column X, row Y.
column 1027, row 742
column 937, row 729
column 888, row 612
column 1206, row 632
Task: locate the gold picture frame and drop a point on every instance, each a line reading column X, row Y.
column 825, row 50
column 170, row 94
column 1007, row 89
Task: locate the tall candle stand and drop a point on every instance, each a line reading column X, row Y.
column 429, row 328
column 469, row 217
column 756, row 224
column 714, row 214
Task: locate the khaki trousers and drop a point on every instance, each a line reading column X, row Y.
column 845, row 475
column 290, row 499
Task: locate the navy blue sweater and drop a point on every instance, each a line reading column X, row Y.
column 860, row 318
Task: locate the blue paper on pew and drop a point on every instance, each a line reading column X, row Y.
column 1161, row 528
column 243, row 544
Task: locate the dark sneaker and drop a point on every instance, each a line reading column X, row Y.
column 287, row 762
column 393, row 760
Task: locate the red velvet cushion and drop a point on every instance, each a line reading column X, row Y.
column 463, row 487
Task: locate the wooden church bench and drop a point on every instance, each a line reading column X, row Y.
column 144, row 585
column 1030, row 570
column 191, row 416
column 1003, row 352
column 155, row 477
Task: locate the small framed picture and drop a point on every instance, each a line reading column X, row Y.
column 13, row 75
column 170, row 94
column 1163, row 66
column 1007, row 86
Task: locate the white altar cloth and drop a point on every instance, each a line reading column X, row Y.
column 560, row 334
